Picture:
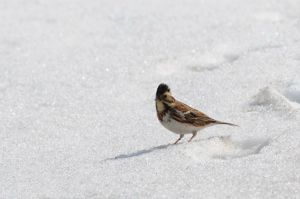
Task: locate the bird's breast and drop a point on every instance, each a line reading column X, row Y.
column 178, row 127
column 161, row 115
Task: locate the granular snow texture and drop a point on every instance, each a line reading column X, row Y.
column 77, row 88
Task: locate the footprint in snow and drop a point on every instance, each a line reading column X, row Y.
column 224, row 148
column 271, row 99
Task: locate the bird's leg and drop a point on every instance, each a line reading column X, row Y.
column 181, row 136
column 194, row 135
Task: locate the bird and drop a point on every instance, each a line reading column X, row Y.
column 178, row 117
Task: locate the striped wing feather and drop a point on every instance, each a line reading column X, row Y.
column 190, row 115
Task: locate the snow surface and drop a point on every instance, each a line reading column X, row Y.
column 77, row 88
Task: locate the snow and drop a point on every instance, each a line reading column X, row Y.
column 271, row 98
column 77, row 88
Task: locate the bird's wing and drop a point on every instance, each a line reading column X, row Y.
column 192, row 116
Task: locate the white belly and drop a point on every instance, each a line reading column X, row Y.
column 180, row 128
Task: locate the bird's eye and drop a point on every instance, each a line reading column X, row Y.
column 165, row 96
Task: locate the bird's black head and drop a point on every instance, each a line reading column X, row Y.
column 162, row 88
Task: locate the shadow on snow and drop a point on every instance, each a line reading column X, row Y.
column 138, row 153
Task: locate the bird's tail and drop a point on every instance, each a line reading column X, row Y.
column 219, row 122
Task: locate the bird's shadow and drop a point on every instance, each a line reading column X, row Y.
column 138, row 153
column 145, row 151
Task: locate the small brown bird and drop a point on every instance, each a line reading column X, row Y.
column 179, row 117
